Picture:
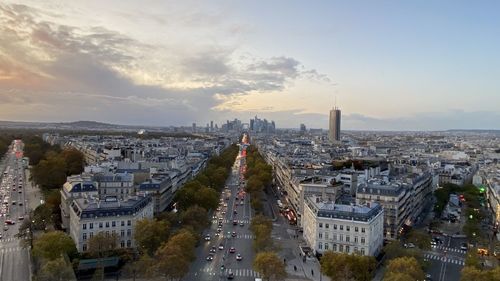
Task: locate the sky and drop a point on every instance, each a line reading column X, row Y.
column 389, row 65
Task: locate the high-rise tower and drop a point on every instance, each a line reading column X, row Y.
column 334, row 132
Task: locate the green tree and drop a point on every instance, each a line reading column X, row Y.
column 150, row 234
column 195, row 217
column 52, row 245
column 420, row 238
column 56, row 270
column 404, row 268
column 173, row 258
column 270, row 266
column 75, row 161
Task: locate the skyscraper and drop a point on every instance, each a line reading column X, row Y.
column 334, row 133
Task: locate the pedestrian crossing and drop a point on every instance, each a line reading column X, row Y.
column 11, row 249
column 10, row 239
column 216, row 221
column 455, row 250
column 444, row 259
column 240, row 272
column 240, row 236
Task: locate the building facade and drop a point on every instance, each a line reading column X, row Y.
column 343, row 228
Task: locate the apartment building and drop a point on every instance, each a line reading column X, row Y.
column 340, row 228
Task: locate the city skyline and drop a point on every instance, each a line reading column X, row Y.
column 403, row 66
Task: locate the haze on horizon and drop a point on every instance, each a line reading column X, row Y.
column 411, row 65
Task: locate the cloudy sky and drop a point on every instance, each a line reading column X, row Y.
column 407, row 65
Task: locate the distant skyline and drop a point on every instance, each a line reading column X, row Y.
column 407, row 65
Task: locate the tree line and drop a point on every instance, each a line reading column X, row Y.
column 258, row 175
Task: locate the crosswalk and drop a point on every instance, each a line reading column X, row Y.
column 11, row 249
column 10, row 239
column 243, row 272
column 216, row 221
column 455, row 250
column 240, row 236
column 444, row 259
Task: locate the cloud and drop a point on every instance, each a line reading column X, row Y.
column 54, row 65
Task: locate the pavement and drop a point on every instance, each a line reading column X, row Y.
column 14, row 260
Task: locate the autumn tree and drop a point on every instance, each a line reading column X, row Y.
column 174, row 257
column 52, row 245
column 404, row 268
column 101, row 243
column 270, row 266
column 56, row 270
column 341, row 266
column 420, row 238
column 195, row 217
column 149, row 234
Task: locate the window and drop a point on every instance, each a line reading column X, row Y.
column 334, row 226
column 362, row 230
column 363, row 251
column 100, row 225
column 320, row 235
column 113, row 223
column 84, row 236
column 347, row 249
column 355, row 239
column 320, row 224
column 334, row 237
column 341, row 248
column 91, row 234
column 123, row 223
column 107, row 224
column 341, row 237
column 122, row 233
column 347, row 238
column 348, row 228
column 326, row 235
column 129, row 223
column 341, row 227
column 320, row 245
column 334, row 247
column 129, row 243
column 122, row 244
column 326, row 246
column 129, row 232
column 356, row 229
column 84, row 226
column 91, row 225
column 362, row 240
column 84, row 247
column 327, row 225
column 107, row 233
column 356, row 249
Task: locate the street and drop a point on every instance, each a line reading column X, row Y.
column 446, row 259
column 233, row 216
column 14, row 259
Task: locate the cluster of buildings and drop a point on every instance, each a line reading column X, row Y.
column 127, row 179
column 381, row 182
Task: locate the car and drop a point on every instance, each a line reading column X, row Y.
column 14, row 202
column 218, row 209
column 239, row 257
column 207, row 237
column 210, row 258
column 219, row 230
column 463, row 247
column 20, row 191
column 409, row 245
column 20, row 218
column 433, row 243
column 221, row 247
column 5, row 228
column 233, row 234
column 232, row 250
column 230, row 275
column 241, row 202
column 241, row 223
column 213, row 249
column 235, row 222
column 20, row 203
column 235, row 212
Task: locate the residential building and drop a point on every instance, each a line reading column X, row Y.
column 343, row 228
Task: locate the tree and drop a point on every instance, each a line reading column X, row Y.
column 420, row 239
column 56, row 270
column 75, row 161
column 143, row 267
column 173, row 258
column 206, row 197
column 270, row 266
column 195, row 217
column 102, row 243
column 341, row 266
column 404, row 268
column 476, row 274
column 150, row 234
column 52, row 245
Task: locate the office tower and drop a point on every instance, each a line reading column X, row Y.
column 211, row 126
column 194, row 127
column 303, row 128
column 334, row 133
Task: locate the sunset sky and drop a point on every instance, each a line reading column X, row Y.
column 392, row 65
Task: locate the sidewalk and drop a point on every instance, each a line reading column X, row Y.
column 32, row 194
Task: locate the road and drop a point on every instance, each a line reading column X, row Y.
column 446, row 259
column 241, row 239
column 14, row 259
